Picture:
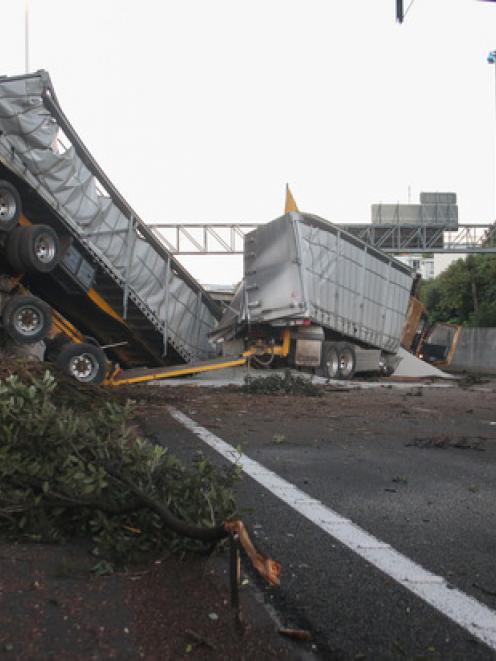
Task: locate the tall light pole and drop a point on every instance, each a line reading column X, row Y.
column 491, row 59
column 26, row 35
column 399, row 11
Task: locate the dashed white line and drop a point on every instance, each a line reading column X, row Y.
column 466, row 611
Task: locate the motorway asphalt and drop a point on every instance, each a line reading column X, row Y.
column 432, row 501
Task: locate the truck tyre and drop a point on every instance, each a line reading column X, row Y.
column 12, row 249
column 330, row 361
column 91, row 340
column 39, row 249
column 386, row 370
column 85, row 362
column 388, row 364
column 10, row 206
column 27, row 319
column 346, row 360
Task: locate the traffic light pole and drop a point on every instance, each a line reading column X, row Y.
column 399, row 11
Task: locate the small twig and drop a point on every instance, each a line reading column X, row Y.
column 4, row 515
column 200, row 640
column 235, row 576
column 297, row 634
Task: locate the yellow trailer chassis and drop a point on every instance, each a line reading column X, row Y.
column 142, row 375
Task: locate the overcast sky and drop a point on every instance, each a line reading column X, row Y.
column 202, row 110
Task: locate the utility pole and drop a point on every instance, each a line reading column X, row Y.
column 491, row 59
column 399, row 11
column 26, row 35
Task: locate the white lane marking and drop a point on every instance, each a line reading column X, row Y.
column 466, row 611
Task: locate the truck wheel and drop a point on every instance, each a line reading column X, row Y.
column 27, row 319
column 330, row 361
column 91, row 340
column 87, row 363
column 39, row 249
column 10, row 206
column 12, row 249
column 346, row 360
column 388, row 364
column 386, row 370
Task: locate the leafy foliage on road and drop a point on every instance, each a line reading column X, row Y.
column 275, row 384
column 71, row 467
column 465, row 293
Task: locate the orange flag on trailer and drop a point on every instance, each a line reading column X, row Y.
column 290, row 204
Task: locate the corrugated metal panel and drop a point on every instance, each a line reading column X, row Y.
column 437, row 198
column 415, row 214
column 407, row 214
column 440, row 214
column 173, row 302
column 303, row 266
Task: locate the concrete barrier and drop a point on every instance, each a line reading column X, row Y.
column 476, row 351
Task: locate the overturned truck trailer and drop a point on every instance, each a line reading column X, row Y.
column 343, row 302
column 97, row 263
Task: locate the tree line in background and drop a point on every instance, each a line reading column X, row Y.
column 465, row 293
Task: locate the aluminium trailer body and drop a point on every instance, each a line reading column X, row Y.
column 115, row 280
column 344, row 301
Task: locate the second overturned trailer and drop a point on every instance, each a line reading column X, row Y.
column 341, row 303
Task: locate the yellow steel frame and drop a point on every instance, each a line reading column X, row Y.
column 183, row 370
column 180, row 371
column 100, row 302
column 415, row 312
column 24, row 221
column 446, row 362
column 62, row 325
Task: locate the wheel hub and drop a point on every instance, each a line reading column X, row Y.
column 82, row 367
column 7, row 206
column 345, row 363
column 332, row 365
column 27, row 321
column 44, row 249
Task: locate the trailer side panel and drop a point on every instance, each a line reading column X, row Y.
column 301, row 266
column 68, row 179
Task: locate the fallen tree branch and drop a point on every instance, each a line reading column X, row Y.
column 87, row 462
column 180, row 527
column 66, row 501
column 266, row 567
column 63, row 500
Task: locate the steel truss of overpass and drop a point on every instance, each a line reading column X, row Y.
column 228, row 238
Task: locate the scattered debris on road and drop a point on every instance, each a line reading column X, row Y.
column 297, row 634
column 287, row 384
column 444, row 441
